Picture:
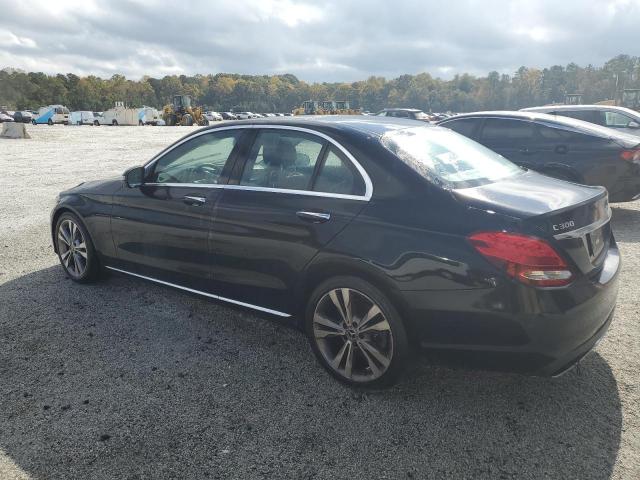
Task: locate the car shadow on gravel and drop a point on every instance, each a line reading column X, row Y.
column 126, row 379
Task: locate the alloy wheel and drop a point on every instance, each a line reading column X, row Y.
column 72, row 248
column 353, row 335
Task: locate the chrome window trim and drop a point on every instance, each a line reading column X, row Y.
column 363, row 173
column 199, row 292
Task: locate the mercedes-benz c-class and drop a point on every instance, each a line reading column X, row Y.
column 374, row 235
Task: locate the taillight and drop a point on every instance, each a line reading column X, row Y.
column 631, row 156
column 529, row 260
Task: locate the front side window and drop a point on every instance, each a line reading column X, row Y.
column 616, row 120
column 199, row 160
column 282, row 159
column 444, row 157
column 498, row 130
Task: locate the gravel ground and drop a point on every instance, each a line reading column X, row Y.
column 126, row 379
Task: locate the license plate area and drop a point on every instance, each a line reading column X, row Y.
column 595, row 242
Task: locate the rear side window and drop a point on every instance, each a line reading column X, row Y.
column 498, row 130
column 464, row 126
column 444, row 157
column 338, row 175
column 585, row 115
column 282, row 159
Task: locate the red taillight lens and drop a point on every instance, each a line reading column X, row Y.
column 631, row 156
column 529, row 260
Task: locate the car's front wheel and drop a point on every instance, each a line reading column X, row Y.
column 356, row 333
column 75, row 249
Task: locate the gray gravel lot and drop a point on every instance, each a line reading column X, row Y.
column 126, row 379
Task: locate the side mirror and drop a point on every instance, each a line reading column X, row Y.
column 633, row 124
column 134, row 177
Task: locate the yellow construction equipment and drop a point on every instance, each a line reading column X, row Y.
column 181, row 112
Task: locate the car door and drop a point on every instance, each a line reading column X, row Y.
column 296, row 191
column 513, row 139
column 161, row 228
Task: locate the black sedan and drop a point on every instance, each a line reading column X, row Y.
column 560, row 147
column 374, row 235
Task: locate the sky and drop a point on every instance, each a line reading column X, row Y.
column 332, row 40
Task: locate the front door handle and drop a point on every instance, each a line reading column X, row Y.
column 314, row 217
column 195, row 201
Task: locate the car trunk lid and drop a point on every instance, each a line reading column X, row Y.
column 574, row 218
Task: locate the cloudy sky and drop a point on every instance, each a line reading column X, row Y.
column 333, row 40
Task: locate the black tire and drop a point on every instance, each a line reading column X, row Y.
column 34, row 122
column 92, row 267
column 361, row 290
column 49, row 122
column 170, row 121
column 187, row 120
column 140, row 123
column 96, row 123
column 114, row 123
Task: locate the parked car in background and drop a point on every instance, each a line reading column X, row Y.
column 52, row 114
column 560, row 147
column 244, row 115
column 119, row 115
column 98, row 118
column 23, row 116
column 228, row 116
column 148, row 116
column 6, row 118
column 213, row 116
column 82, row 118
column 620, row 118
column 319, row 220
column 410, row 113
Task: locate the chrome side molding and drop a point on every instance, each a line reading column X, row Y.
column 210, row 295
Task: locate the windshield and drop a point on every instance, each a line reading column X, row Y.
column 445, row 157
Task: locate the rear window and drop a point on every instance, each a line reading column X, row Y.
column 445, row 157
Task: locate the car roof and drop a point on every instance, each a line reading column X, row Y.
column 555, row 108
column 365, row 124
column 400, row 110
column 552, row 120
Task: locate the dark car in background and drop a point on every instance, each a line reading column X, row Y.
column 410, row 113
column 373, row 234
column 228, row 116
column 560, row 147
column 620, row 118
column 23, row 116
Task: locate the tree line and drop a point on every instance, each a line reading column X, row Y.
column 281, row 93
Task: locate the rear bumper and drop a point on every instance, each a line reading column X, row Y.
column 519, row 328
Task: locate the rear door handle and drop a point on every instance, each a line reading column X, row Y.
column 314, row 217
column 195, row 201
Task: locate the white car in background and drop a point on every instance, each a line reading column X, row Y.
column 81, row 118
column 148, row 116
column 213, row 116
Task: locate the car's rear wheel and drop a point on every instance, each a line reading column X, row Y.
column 75, row 249
column 49, row 122
column 114, row 123
column 356, row 333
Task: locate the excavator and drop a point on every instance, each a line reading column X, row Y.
column 181, row 112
